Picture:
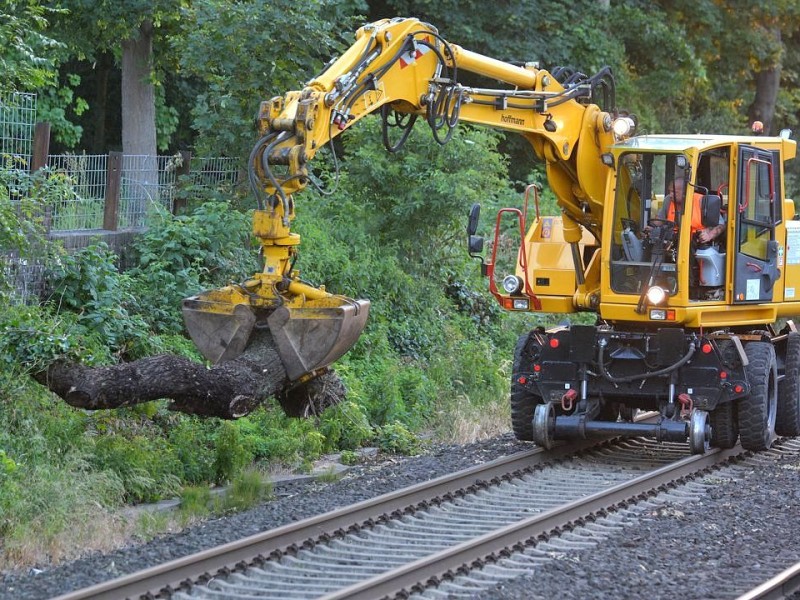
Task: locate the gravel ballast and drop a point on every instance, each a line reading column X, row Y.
column 671, row 553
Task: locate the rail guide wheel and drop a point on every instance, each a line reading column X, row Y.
column 544, row 425
column 699, row 432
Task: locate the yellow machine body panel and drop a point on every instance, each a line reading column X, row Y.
column 551, row 267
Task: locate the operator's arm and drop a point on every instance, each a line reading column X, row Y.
column 711, row 233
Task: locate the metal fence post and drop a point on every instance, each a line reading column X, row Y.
column 41, row 146
column 113, row 186
column 186, row 167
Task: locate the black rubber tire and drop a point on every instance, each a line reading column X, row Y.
column 788, row 422
column 724, row 430
column 758, row 410
column 523, row 401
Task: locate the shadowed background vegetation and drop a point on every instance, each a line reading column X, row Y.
column 434, row 360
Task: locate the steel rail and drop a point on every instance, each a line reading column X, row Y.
column 174, row 574
column 783, row 585
column 393, row 582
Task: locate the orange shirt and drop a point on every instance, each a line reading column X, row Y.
column 697, row 213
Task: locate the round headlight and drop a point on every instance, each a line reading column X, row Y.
column 656, row 295
column 623, row 127
column 512, row 284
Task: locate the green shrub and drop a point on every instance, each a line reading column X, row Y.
column 146, row 466
column 247, row 489
column 192, row 440
column 396, row 438
column 195, row 502
column 348, row 457
column 230, row 455
column 345, row 426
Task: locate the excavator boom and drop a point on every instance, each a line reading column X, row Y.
column 404, row 70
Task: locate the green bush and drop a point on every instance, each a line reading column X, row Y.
column 145, row 464
column 192, row 440
column 345, row 426
column 396, row 438
column 231, row 455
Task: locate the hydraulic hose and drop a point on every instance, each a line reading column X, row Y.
column 628, row 378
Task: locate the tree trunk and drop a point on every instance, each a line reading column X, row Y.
column 139, row 124
column 767, row 85
column 228, row 390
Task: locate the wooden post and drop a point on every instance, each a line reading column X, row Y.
column 113, row 186
column 41, row 146
column 179, row 204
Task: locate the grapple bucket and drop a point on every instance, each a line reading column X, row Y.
column 307, row 338
column 220, row 330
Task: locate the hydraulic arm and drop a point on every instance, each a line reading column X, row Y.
column 404, row 70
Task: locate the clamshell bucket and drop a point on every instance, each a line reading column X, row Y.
column 310, row 338
column 306, row 338
column 220, row 330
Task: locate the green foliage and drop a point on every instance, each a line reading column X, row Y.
column 250, row 42
column 396, row 438
column 144, row 463
column 247, row 489
column 192, row 441
column 231, row 454
column 195, row 502
column 31, row 338
column 24, row 47
column 23, row 201
column 348, row 457
column 57, row 105
column 89, row 284
column 268, row 435
column 180, row 256
column 345, row 426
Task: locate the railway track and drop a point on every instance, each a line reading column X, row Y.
column 783, row 585
column 420, row 534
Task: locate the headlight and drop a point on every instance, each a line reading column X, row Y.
column 623, row 127
column 512, row 284
column 656, row 295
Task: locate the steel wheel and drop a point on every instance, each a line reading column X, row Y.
column 544, row 425
column 698, row 432
column 757, row 412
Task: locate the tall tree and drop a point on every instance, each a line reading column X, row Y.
column 126, row 30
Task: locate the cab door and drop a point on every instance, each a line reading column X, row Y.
column 758, row 211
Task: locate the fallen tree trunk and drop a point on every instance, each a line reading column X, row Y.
column 228, row 390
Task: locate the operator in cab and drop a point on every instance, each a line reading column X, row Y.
column 674, row 202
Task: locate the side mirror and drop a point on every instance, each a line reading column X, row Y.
column 475, row 244
column 474, row 216
column 710, row 206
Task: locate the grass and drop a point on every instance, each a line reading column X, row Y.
column 470, row 423
column 329, row 475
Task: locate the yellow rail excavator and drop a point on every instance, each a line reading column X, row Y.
column 683, row 246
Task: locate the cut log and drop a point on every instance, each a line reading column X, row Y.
column 228, row 390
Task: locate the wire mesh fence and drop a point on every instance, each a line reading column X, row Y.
column 23, row 277
column 87, row 174
column 146, row 183
column 214, row 172
column 17, row 120
column 104, row 194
